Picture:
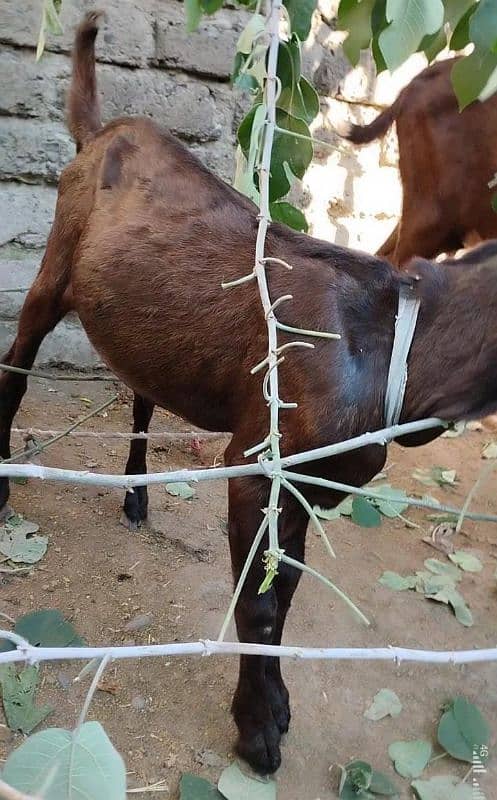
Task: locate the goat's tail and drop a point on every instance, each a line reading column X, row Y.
column 363, row 134
column 83, row 109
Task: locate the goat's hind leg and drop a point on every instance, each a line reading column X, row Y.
column 45, row 305
column 135, row 508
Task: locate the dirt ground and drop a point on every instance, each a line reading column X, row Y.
column 170, row 716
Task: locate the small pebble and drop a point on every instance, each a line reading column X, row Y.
column 139, row 622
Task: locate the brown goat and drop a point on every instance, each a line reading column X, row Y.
column 446, row 159
column 142, row 239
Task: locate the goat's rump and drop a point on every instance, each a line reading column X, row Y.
column 162, row 234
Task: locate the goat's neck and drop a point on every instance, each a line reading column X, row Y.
column 453, row 361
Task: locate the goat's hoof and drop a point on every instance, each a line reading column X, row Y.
column 135, row 510
column 261, row 750
column 130, row 524
column 281, row 712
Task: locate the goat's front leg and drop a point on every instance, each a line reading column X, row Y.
column 136, row 502
column 260, row 705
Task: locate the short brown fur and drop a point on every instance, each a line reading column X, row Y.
column 142, row 239
column 446, row 159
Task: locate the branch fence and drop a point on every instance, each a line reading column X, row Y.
column 270, row 463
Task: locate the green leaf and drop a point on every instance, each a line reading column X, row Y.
column 461, row 610
column 297, row 96
column 193, row 788
column 211, row 6
column 410, row 21
column 434, row 44
column 300, row 13
column 433, row 584
column 471, row 75
column 250, row 139
column 463, row 731
column 284, row 212
column 378, row 24
column 396, row 582
column 84, row 763
column 444, row 787
column 381, row 784
column 18, row 696
column 355, row 17
column 356, row 779
column 392, row 502
column 193, row 11
column 302, row 102
column 18, row 543
column 45, row 628
column 410, row 758
column 288, row 152
column 461, row 37
column 483, row 25
column 52, row 17
column 235, row 785
column 180, row 489
column 466, row 561
column 364, row 513
column 385, row 704
column 252, row 30
column 455, row 10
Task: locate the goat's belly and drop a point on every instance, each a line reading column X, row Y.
column 173, row 365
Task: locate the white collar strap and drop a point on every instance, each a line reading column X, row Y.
column 405, row 325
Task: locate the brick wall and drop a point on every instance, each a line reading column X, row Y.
column 150, row 65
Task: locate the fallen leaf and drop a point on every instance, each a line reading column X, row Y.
column 463, row 731
column 342, row 509
column 436, row 476
column 444, row 787
column 466, row 561
column 191, row 787
column 18, row 696
column 18, row 542
column 490, row 450
column 364, row 513
column 47, row 628
column 396, row 582
column 410, row 758
column 180, row 489
column 355, row 781
column 443, row 568
column 235, row 785
column 392, row 501
column 385, row 704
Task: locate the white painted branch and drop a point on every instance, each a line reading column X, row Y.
column 166, row 436
column 87, row 478
column 209, row 648
column 272, row 395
